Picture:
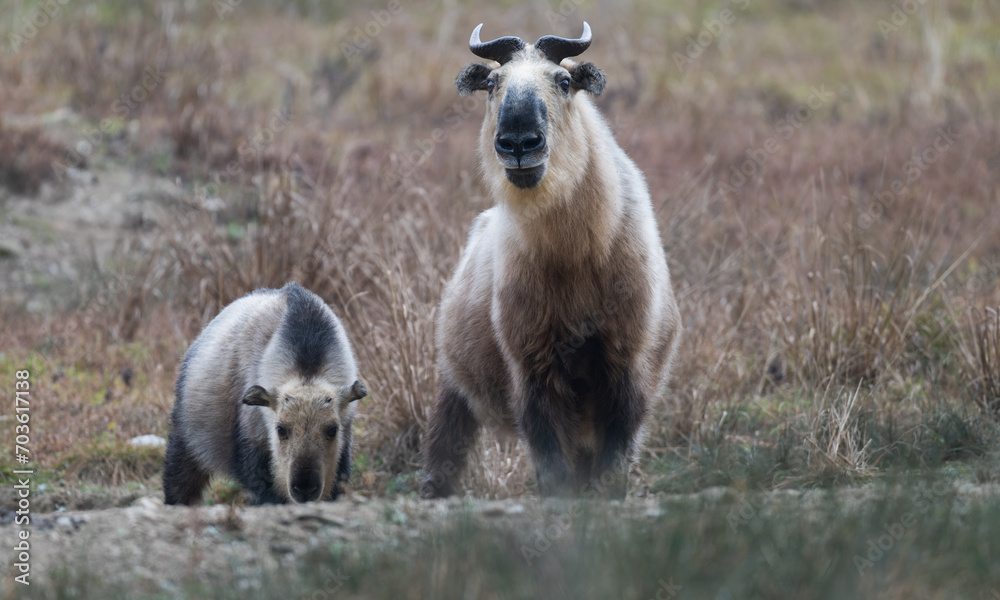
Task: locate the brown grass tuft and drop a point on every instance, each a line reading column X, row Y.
column 27, row 156
column 111, row 462
column 987, row 339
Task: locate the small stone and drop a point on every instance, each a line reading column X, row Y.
column 148, row 440
column 279, row 548
column 493, row 510
column 148, row 502
column 316, row 520
column 516, row 509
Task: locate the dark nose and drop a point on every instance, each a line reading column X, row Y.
column 306, row 485
column 519, row 144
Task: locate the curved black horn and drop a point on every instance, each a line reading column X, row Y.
column 557, row 48
column 500, row 49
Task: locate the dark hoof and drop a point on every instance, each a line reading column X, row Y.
column 431, row 489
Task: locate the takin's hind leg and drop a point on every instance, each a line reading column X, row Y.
column 452, row 433
column 622, row 415
column 183, row 478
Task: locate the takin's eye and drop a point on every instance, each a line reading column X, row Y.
column 490, row 85
column 331, row 431
column 282, row 432
column 564, row 85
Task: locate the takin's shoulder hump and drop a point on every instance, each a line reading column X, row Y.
column 313, row 336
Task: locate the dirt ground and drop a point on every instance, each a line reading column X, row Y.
column 133, row 538
column 52, row 245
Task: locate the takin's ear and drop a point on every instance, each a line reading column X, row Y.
column 356, row 392
column 258, row 396
column 588, row 77
column 472, row 78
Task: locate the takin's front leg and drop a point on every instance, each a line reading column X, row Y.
column 452, row 433
column 252, row 465
column 543, row 421
column 183, row 479
column 622, row 414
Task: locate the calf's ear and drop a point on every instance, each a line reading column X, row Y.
column 356, row 392
column 258, row 396
column 586, row 76
column 472, row 78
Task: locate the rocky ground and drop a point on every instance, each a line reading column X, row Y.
column 134, row 538
column 55, row 243
column 149, row 545
column 152, row 546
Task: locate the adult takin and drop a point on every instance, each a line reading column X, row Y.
column 559, row 324
column 266, row 394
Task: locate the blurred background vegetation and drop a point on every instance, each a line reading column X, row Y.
column 825, row 176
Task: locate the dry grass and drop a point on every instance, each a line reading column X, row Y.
column 830, row 312
column 987, row 340
column 111, row 462
column 26, row 158
column 835, row 440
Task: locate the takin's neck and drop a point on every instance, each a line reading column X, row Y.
column 573, row 222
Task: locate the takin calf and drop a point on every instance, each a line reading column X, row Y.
column 265, row 395
column 559, row 323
